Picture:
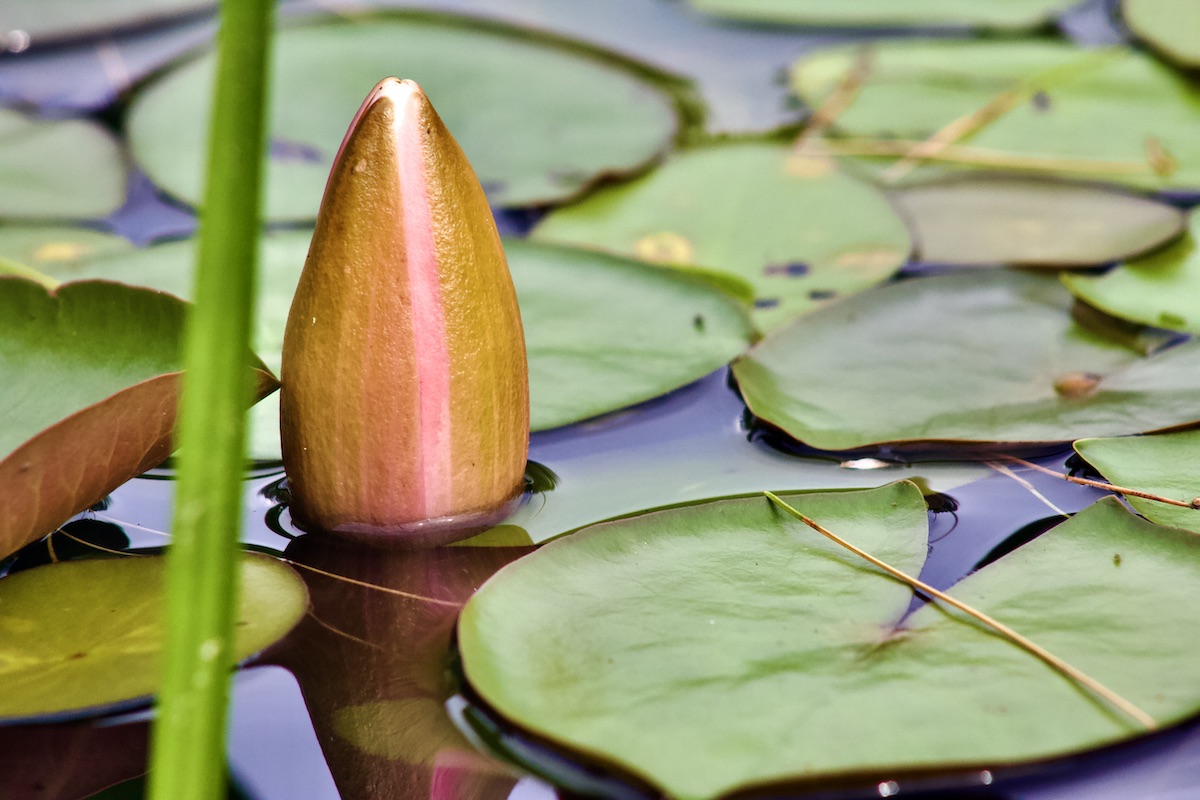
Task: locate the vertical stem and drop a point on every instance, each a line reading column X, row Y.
column 187, row 760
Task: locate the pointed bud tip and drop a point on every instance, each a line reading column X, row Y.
column 399, row 94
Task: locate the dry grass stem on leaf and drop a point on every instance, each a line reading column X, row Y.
column 977, row 156
column 838, row 101
column 1097, row 689
column 1194, row 503
column 971, row 123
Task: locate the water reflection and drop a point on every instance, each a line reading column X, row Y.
column 373, row 662
column 72, row 760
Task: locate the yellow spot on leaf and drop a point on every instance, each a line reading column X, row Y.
column 806, row 165
column 60, row 252
column 664, row 247
column 869, row 258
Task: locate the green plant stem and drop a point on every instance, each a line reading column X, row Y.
column 187, row 759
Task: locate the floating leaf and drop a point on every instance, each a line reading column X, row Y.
column 794, row 227
column 1005, row 219
column 604, row 332
column 90, row 382
column 1112, row 114
column 56, row 19
column 734, row 69
column 97, row 643
column 1168, row 26
column 985, row 357
column 64, row 169
column 1008, row 15
column 1161, row 289
column 723, row 645
column 601, row 332
column 539, row 119
column 1161, row 465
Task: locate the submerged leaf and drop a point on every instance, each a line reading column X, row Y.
column 723, row 646
column 97, row 644
column 63, row 169
column 90, row 382
column 981, row 357
column 1161, row 289
column 1007, row 219
column 792, row 226
column 1163, row 465
column 1112, row 114
column 539, row 120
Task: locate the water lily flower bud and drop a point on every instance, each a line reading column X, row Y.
column 405, row 399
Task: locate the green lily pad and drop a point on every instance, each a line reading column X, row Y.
column 602, row 332
column 989, row 356
column 539, row 119
column 1008, row 15
column 1110, row 114
column 97, row 643
column 91, row 379
column 63, row 169
column 725, row 645
column 56, row 19
column 1005, row 219
column 1169, row 26
column 1161, row 289
column 1160, row 465
column 795, row 228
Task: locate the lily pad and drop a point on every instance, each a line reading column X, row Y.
column 91, row 379
column 1005, row 219
column 725, row 645
column 1161, row 289
column 1008, row 15
column 795, row 228
column 97, row 644
column 57, row 19
column 62, row 169
column 540, row 119
column 988, row 356
column 1108, row 114
column 602, row 332
column 1161, row 465
column 1169, row 26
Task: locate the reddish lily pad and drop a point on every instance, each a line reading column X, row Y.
column 91, row 379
